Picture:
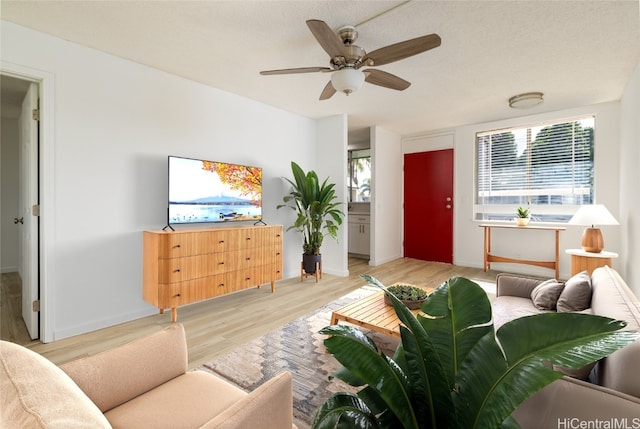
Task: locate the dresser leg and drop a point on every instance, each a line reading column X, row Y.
column 174, row 314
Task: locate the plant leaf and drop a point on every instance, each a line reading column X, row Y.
column 459, row 314
column 358, row 353
column 486, row 397
column 433, row 402
column 344, row 410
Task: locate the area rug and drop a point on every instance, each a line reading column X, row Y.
column 296, row 347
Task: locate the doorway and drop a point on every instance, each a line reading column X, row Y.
column 20, row 229
column 428, row 205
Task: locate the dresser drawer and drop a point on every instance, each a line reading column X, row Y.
column 192, row 243
column 190, row 267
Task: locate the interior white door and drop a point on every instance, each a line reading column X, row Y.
column 28, row 198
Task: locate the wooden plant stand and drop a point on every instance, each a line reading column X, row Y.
column 317, row 274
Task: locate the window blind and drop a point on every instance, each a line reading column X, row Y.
column 540, row 166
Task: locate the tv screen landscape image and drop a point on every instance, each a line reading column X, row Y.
column 203, row 191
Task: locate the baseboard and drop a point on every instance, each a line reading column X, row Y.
column 5, row 270
column 338, row 273
column 60, row 334
column 376, row 262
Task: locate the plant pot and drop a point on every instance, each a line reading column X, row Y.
column 309, row 262
column 522, row 221
column 411, row 305
column 407, row 291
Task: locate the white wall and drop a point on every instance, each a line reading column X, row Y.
column 386, row 207
column 115, row 123
column 9, row 159
column 331, row 158
column 629, row 179
column 468, row 237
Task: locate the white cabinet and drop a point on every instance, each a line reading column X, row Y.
column 359, row 234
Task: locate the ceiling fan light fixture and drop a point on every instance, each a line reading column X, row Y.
column 526, row 100
column 347, row 80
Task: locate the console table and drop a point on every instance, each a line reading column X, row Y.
column 489, row 257
column 589, row 261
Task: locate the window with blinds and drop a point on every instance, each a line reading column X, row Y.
column 548, row 167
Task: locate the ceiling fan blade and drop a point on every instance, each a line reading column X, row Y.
column 328, row 39
column 296, row 70
column 388, row 80
column 327, row 92
column 402, row 50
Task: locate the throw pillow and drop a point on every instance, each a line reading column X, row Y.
column 545, row 295
column 576, row 295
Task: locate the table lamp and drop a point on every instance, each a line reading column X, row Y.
column 593, row 214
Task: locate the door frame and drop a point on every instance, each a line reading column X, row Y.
column 46, row 94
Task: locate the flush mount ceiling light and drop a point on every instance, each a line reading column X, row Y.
column 347, row 80
column 526, row 100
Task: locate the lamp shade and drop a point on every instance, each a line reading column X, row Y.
column 347, row 80
column 594, row 214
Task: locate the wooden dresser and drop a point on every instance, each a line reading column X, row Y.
column 185, row 266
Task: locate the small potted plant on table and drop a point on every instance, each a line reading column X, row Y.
column 411, row 296
column 522, row 216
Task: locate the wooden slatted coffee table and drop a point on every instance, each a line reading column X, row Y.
column 372, row 313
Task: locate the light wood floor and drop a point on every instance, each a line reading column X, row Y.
column 219, row 325
column 12, row 327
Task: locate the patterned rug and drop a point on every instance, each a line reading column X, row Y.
column 296, row 347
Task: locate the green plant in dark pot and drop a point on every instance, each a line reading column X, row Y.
column 317, row 212
column 451, row 369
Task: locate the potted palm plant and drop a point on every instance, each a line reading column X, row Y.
column 318, row 213
column 451, row 369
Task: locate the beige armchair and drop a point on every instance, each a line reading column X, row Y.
column 144, row 383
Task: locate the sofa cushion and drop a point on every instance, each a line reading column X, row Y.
column 117, row 375
column 545, row 295
column 506, row 308
column 188, row 401
column 571, row 403
column 516, row 285
column 576, row 295
column 34, row 393
column 267, row 407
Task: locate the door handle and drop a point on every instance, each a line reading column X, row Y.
column 18, row 220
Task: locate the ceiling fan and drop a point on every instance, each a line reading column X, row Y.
column 347, row 59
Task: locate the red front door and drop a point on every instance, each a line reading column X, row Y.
column 428, row 205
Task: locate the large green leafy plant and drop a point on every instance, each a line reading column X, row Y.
column 451, row 369
column 315, row 204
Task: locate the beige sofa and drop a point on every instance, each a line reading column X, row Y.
column 143, row 384
column 612, row 392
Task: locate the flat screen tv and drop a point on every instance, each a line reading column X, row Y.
column 202, row 191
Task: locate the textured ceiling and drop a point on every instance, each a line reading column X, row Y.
column 576, row 52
